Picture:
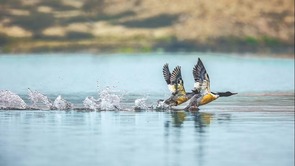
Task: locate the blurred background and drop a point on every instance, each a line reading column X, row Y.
column 128, row 26
column 108, row 54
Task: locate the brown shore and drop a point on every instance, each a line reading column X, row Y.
column 257, row 27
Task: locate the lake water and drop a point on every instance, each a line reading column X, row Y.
column 255, row 127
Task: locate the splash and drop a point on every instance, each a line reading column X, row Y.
column 39, row 100
column 109, row 101
column 140, row 104
column 10, row 100
column 161, row 106
column 62, row 104
column 91, row 103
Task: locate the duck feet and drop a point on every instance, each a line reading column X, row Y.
column 192, row 109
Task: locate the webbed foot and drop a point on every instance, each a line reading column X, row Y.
column 192, row 108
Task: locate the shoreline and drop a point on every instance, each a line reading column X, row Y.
column 112, row 45
column 148, row 26
column 94, row 52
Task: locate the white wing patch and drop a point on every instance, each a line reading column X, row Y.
column 174, row 79
column 202, row 81
column 172, row 88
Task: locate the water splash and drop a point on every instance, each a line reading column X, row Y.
column 39, row 100
column 140, row 104
column 10, row 100
column 161, row 106
column 62, row 104
column 109, row 101
column 91, row 103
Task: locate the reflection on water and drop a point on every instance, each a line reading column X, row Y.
column 201, row 119
column 146, row 138
column 178, row 118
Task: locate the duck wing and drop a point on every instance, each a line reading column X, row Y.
column 202, row 80
column 176, row 79
column 166, row 73
column 167, row 77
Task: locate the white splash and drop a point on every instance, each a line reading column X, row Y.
column 10, row 100
column 161, row 105
column 108, row 100
column 39, row 100
column 140, row 104
column 91, row 103
column 62, row 104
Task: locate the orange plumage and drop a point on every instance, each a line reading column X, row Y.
column 208, row 98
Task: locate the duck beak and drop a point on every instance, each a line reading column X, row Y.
column 234, row 93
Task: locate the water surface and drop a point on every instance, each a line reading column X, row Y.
column 255, row 127
column 141, row 74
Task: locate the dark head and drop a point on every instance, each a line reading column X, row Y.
column 180, row 81
column 226, row 94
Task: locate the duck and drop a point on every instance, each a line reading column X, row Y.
column 175, row 85
column 201, row 93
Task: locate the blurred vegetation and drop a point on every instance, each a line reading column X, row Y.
column 265, row 26
column 35, row 22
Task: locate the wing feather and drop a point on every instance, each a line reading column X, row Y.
column 202, row 80
column 176, row 75
column 176, row 79
column 167, row 77
column 166, row 73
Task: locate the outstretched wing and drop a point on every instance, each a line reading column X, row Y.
column 167, row 77
column 176, row 79
column 166, row 73
column 202, row 81
column 176, row 75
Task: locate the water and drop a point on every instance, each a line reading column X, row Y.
column 140, row 74
column 65, row 117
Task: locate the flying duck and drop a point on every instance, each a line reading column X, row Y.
column 201, row 93
column 175, row 85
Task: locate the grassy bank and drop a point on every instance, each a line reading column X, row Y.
column 264, row 27
column 265, row 45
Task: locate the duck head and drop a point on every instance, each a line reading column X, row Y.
column 226, row 94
